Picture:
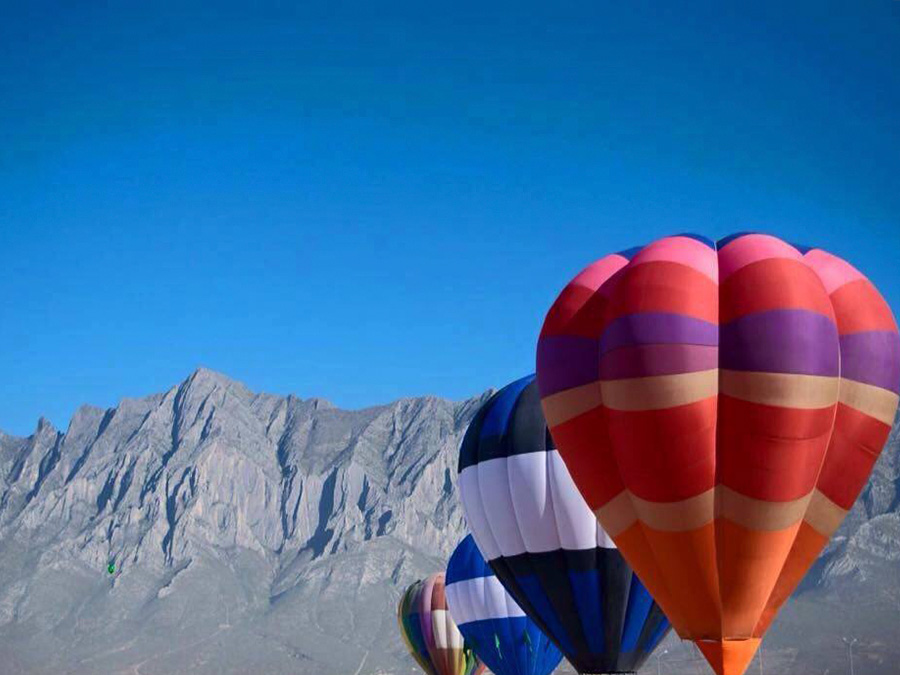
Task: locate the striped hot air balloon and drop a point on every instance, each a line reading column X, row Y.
column 409, row 618
column 544, row 544
column 500, row 633
column 430, row 633
column 720, row 406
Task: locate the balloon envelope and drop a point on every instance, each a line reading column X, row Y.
column 430, row 633
column 409, row 618
column 720, row 406
column 503, row 637
column 544, row 544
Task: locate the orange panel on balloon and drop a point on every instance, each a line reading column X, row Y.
column 633, row 544
column 805, row 549
column 689, row 555
column 749, row 563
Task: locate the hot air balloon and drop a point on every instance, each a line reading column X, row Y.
column 720, row 406
column 409, row 618
column 500, row 633
column 429, row 632
column 543, row 542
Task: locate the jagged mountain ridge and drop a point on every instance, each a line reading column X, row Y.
column 209, row 471
column 271, row 534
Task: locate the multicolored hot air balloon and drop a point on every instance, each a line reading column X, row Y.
column 720, row 406
column 410, row 621
column 429, row 632
column 497, row 629
column 543, row 542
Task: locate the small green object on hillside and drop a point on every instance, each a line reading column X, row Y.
column 111, row 568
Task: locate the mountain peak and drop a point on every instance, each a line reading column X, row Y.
column 44, row 426
column 202, row 374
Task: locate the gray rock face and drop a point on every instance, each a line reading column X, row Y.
column 263, row 534
column 252, row 533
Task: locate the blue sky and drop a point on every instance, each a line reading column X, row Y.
column 364, row 204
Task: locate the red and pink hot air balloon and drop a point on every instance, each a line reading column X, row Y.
column 720, row 407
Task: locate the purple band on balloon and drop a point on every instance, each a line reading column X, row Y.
column 793, row 341
column 651, row 360
column 872, row 357
column 658, row 328
column 566, row 361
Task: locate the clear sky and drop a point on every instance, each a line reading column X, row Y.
column 363, row 201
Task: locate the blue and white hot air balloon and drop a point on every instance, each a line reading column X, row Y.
column 543, row 542
column 500, row 633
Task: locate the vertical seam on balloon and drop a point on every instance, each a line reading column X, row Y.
column 716, row 499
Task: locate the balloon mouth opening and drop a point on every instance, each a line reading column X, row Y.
column 729, row 656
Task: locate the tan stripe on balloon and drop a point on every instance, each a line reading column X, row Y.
column 784, row 390
column 620, row 513
column 680, row 516
column 823, row 515
column 617, row 515
column 659, row 391
column 759, row 514
column 566, row 405
column 875, row 402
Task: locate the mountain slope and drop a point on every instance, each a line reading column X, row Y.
column 249, row 531
column 264, row 534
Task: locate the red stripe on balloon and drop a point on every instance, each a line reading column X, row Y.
column 855, row 445
column 776, row 283
column 584, row 446
column 859, row 307
column 577, row 292
column 666, row 455
column 770, row 453
column 558, row 321
column 664, row 287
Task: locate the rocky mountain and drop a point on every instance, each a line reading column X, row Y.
column 253, row 533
